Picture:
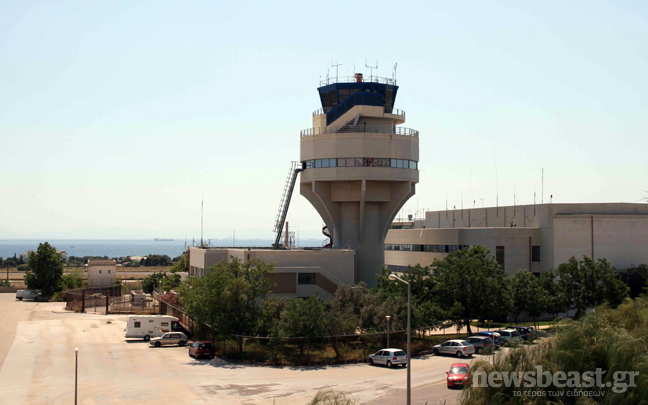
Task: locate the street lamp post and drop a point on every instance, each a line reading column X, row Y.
column 409, row 337
column 76, row 372
column 388, row 318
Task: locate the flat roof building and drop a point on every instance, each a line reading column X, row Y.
column 532, row 237
column 298, row 273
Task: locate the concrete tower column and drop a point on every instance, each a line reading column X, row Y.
column 360, row 167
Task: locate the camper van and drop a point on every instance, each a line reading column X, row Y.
column 149, row 326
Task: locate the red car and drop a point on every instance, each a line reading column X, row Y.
column 459, row 375
column 202, row 349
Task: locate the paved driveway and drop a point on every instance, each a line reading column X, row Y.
column 39, row 368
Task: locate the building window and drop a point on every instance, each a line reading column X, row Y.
column 360, row 162
column 499, row 255
column 306, row 278
column 137, row 324
column 535, row 253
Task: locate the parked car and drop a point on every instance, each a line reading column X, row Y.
column 458, row 376
column 457, row 347
column 27, row 294
column 481, row 343
column 493, row 335
column 525, row 331
column 170, row 338
column 510, row 336
column 389, row 357
column 202, row 349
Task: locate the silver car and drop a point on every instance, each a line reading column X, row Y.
column 455, row 347
column 389, row 357
column 170, row 338
column 510, row 336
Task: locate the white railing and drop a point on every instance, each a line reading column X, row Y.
column 353, row 79
column 375, row 129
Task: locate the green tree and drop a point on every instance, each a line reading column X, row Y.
column 520, row 291
column 269, row 315
column 228, row 296
column 157, row 260
column 425, row 311
column 303, row 319
column 475, row 281
column 72, row 280
column 635, row 277
column 528, row 295
column 343, row 317
column 169, row 281
column 555, row 299
column 150, row 283
column 11, row 262
column 588, row 283
column 45, row 271
column 180, row 265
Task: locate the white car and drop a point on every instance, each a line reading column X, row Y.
column 455, row 347
column 27, row 294
column 389, row 357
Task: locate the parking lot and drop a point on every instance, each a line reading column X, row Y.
column 38, row 366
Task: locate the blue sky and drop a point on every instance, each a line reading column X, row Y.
column 117, row 118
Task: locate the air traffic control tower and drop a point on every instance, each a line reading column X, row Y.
column 359, row 166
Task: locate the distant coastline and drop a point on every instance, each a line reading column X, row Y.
column 128, row 247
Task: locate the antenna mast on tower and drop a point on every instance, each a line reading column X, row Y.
column 372, row 68
column 337, row 64
column 202, row 205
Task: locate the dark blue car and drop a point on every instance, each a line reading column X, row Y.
column 491, row 335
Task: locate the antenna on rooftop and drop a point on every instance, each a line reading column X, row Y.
column 394, row 74
column 202, row 205
column 542, row 193
column 371, row 67
column 336, row 68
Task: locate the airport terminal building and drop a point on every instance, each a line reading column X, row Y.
column 532, row 237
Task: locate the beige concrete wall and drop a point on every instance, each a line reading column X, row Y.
column 621, row 239
column 332, row 267
column 343, row 145
column 571, row 237
column 561, row 231
column 104, row 275
column 516, row 242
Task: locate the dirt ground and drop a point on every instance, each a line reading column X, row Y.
column 38, row 363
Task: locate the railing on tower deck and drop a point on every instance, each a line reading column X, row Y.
column 374, row 129
column 394, row 111
column 353, row 79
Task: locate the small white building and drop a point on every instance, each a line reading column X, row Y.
column 101, row 273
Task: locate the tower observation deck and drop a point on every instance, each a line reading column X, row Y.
column 359, row 166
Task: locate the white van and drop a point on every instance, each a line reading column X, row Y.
column 26, row 294
column 148, row 326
